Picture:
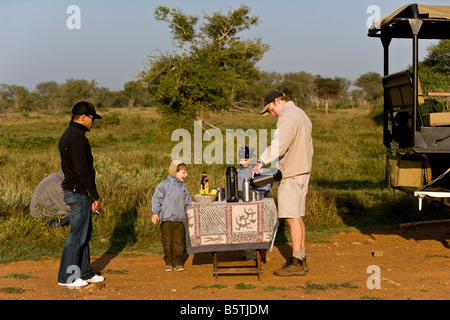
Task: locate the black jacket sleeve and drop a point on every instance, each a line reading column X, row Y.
column 80, row 153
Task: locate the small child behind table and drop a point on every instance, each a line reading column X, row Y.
column 246, row 164
column 169, row 205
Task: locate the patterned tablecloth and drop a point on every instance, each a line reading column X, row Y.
column 227, row 226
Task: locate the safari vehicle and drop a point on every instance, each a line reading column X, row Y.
column 418, row 144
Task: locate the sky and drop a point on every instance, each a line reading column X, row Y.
column 116, row 37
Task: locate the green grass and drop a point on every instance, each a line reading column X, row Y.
column 217, row 286
column 244, row 286
column 438, row 255
column 309, row 287
column 21, row 276
column 12, row 290
column 371, row 298
column 273, row 288
column 132, row 152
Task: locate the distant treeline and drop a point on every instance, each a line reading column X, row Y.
column 50, row 95
column 301, row 87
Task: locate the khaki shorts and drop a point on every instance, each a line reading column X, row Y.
column 292, row 196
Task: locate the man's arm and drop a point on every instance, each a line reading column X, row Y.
column 81, row 166
column 285, row 133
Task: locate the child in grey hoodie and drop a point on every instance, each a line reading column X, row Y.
column 169, row 205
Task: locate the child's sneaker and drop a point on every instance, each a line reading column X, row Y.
column 168, row 268
column 179, row 268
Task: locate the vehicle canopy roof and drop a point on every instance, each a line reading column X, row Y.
column 435, row 25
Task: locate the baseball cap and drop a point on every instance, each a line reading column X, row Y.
column 246, row 152
column 86, row 108
column 271, row 96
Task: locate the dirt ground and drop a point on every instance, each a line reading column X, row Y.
column 413, row 262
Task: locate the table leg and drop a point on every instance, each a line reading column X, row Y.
column 258, row 263
column 215, row 266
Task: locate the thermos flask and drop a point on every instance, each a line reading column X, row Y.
column 246, row 193
column 262, row 180
column 232, row 185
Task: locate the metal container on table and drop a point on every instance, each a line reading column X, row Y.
column 246, row 192
column 256, row 195
column 220, row 194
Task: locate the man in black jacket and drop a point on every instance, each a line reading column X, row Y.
column 80, row 193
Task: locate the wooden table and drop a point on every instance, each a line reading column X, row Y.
column 230, row 226
column 241, row 269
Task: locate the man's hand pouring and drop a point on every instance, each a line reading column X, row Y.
column 257, row 169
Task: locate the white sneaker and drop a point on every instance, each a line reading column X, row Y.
column 77, row 284
column 179, row 268
column 96, row 278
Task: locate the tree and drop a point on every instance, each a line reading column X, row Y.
column 252, row 95
column 370, row 82
column 297, row 86
column 212, row 70
column 136, row 94
column 46, row 89
column 15, row 97
column 434, row 70
column 357, row 96
column 101, row 96
column 74, row 90
column 221, row 29
column 327, row 89
column 47, row 95
column 181, row 25
column 439, row 57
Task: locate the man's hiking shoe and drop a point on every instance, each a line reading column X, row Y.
column 305, row 265
column 292, row 267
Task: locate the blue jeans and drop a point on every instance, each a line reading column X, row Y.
column 59, row 222
column 75, row 259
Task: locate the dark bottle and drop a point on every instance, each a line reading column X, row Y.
column 204, row 184
column 232, row 185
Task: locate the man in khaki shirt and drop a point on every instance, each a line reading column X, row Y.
column 292, row 146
